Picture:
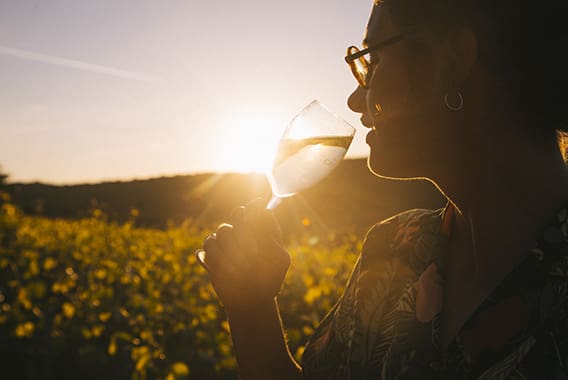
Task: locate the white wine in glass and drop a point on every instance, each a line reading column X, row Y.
column 312, row 145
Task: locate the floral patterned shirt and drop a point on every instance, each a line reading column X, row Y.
column 383, row 328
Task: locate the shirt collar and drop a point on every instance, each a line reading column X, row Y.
column 553, row 238
column 448, row 219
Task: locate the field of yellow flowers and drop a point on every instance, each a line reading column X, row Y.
column 93, row 299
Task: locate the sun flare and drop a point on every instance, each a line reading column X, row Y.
column 249, row 143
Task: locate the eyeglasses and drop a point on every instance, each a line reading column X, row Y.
column 360, row 64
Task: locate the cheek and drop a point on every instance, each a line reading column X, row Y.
column 411, row 132
column 389, row 93
column 399, row 131
column 424, row 69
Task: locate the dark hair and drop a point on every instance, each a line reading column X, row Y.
column 522, row 42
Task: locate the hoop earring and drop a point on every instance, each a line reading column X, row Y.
column 454, row 108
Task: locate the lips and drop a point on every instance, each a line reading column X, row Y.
column 366, row 122
column 372, row 135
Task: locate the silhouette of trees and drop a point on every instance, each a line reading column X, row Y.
column 3, row 177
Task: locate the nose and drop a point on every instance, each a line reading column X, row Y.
column 356, row 101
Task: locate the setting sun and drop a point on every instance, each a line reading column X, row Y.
column 249, row 143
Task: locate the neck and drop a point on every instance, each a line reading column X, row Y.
column 503, row 200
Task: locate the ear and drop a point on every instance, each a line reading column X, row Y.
column 462, row 55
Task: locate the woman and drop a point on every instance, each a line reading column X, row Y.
column 469, row 95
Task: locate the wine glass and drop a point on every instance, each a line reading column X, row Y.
column 312, row 145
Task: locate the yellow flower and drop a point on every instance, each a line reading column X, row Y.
column 24, row 298
column 49, row 264
column 68, row 310
column 100, row 274
column 97, row 330
column 25, row 329
column 103, row 317
column 180, row 369
column 111, row 348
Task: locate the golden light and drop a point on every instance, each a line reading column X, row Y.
column 249, row 143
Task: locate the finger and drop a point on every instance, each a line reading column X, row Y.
column 226, row 237
column 256, row 214
column 261, row 251
column 237, row 216
column 211, row 248
column 215, row 258
column 246, row 240
column 256, row 233
column 237, row 255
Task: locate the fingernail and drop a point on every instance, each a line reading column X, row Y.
column 200, row 256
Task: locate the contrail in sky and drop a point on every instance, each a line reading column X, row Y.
column 73, row 64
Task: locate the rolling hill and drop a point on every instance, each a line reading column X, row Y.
column 350, row 199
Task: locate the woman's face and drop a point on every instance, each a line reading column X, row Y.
column 401, row 105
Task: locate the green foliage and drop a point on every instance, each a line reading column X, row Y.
column 93, row 299
column 3, row 177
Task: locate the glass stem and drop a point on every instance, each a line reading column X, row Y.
column 275, row 201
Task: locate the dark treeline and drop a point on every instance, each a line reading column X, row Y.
column 350, row 199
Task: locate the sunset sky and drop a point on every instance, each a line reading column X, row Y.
column 116, row 89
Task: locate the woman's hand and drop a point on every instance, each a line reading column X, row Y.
column 245, row 260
